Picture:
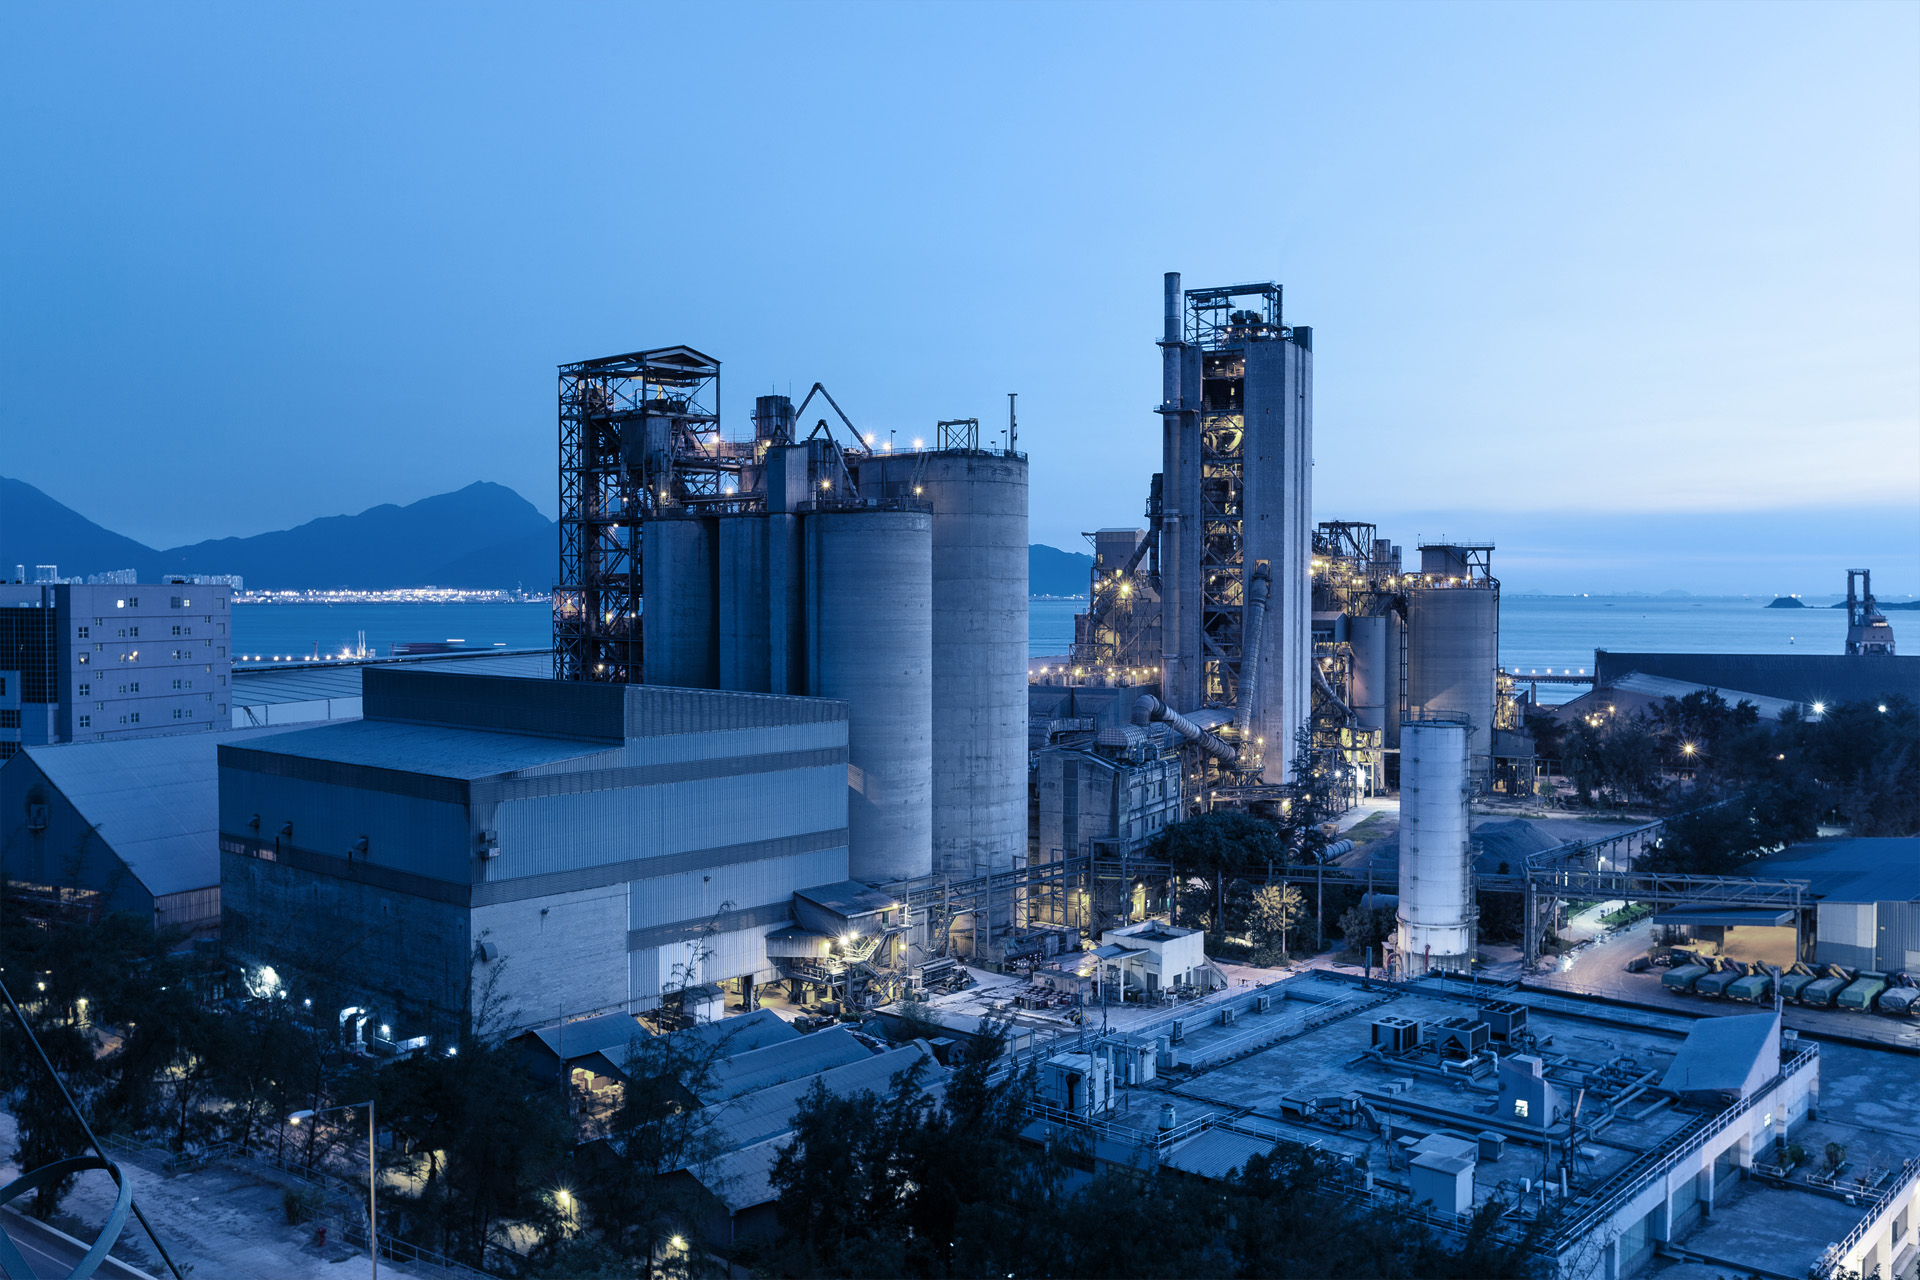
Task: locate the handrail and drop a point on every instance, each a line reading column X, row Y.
column 1836, row 1254
column 1636, row 1176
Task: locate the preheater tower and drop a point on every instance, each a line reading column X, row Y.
column 1237, row 490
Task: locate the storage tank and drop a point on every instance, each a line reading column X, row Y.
column 1436, row 864
column 1453, row 658
column 743, row 604
column 869, row 611
column 979, row 502
column 1376, row 677
column 681, row 642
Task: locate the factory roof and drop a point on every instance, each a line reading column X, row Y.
column 1216, row 1153
column 1795, row 677
column 1858, row 869
column 847, row 898
column 319, row 681
column 742, row 1178
column 1638, row 692
column 1721, row 1055
column 154, row 801
column 739, row 1034
column 433, row 750
column 608, row 1034
column 768, row 1113
column 778, row 1063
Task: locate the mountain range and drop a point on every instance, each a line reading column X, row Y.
column 482, row 537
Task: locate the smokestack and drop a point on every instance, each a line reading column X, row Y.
column 1173, row 307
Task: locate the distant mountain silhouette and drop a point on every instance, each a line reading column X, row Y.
column 1053, row 572
column 484, row 535
column 34, row 529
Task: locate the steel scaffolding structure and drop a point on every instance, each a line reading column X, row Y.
column 639, row 434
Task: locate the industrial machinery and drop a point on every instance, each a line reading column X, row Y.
column 1867, row 628
column 1681, row 978
column 825, row 564
column 1715, row 984
column 1863, row 991
column 1821, row 992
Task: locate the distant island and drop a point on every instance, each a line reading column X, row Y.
column 1786, row 602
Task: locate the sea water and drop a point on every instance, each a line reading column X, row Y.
column 1536, row 632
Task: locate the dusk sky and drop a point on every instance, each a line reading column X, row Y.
column 1633, row 289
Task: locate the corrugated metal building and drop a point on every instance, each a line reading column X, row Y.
column 132, row 825
column 1868, row 916
column 529, row 850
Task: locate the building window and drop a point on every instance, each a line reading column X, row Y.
column 176, row 631
column 133, row 633
column 123, row 719
column 176, row 713
column 9, row 718
column 86, row 722
column 222, row 709
column 85, row 689
column 85, row 632
column 136, row 717
column 123, row 633
column 1520, row 1108
column 119, row 604
column 209, row 697
column 133, row 602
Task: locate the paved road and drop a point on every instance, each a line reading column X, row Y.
column 54, row 1254
column 1599, row 968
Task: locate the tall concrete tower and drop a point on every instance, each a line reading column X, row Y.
column 1237, row 492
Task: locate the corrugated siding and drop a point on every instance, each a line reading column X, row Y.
column 563, row 833
column 696, row 896
column 412, row 834
column 359, row 777
column 645, row 868
column 654, row 710
column 546, row 708
column 1897, row 948
column 1846, row 934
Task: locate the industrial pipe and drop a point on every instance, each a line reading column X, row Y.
column 1148, row 708
column 1252, row 621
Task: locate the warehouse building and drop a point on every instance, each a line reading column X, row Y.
column 1868, row 891
column 520, row 852
column 93, row 828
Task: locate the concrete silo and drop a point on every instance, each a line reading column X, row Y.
column 869, row 641
column 1453, row 644
column 1435, row 914
column 979, row 502
column 681, row 642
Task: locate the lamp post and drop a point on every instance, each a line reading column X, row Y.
column 373, row 1174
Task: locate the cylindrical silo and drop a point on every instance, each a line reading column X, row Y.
column 678, row 617
column 869, row 590
column 1436, row 866
column 743, row 606
column 979, row 502
column 1453, row 660
column 1372, row 696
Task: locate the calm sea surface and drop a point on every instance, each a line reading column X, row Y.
column 1536, row 632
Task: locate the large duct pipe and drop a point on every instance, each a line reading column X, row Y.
column 1149, row 708
column 1251, row 625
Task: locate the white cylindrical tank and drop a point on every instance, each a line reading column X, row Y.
column 679, row 628
column 869, row 611
column 1436, row 865
column 1453, row 660
column 979, row 502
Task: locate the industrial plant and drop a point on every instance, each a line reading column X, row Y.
column 789, row 763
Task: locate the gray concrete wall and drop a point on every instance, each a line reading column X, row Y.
column 562, row 955
column 355, row 941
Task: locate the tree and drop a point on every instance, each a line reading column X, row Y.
column 1366, row 927
column 1276, row 909
column 1217, row 846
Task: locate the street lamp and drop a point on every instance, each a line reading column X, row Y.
column 373, row 1175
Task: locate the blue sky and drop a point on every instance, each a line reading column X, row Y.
column 1607, row 279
